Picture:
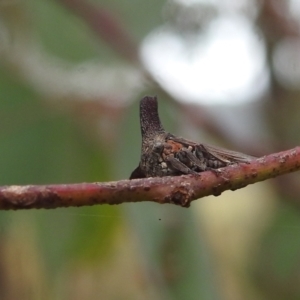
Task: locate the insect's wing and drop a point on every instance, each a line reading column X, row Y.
column 225, row 155
column 221, row 154
column 181, row 140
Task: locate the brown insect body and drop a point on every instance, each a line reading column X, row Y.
column 164, row 154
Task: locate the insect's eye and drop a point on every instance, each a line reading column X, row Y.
column 158, row 147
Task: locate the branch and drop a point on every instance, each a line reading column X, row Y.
column 180, row 190
column 107, row 26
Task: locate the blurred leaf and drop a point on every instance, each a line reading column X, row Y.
column 40, row 144
column 74, row 43
column 277, row 264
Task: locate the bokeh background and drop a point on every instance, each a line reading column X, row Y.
column 72, row 73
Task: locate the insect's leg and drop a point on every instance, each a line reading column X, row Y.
column 194, row 160
column 179, row 166
column 212, row 161
column 199, row 151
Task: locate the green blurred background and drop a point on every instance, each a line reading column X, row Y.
column 69, row 92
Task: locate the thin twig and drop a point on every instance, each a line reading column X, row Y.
column 107, row 26
column 180, row 190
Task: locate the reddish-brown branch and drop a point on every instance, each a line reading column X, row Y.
column 180, row 190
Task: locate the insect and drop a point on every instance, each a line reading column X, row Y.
column 164, row 154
